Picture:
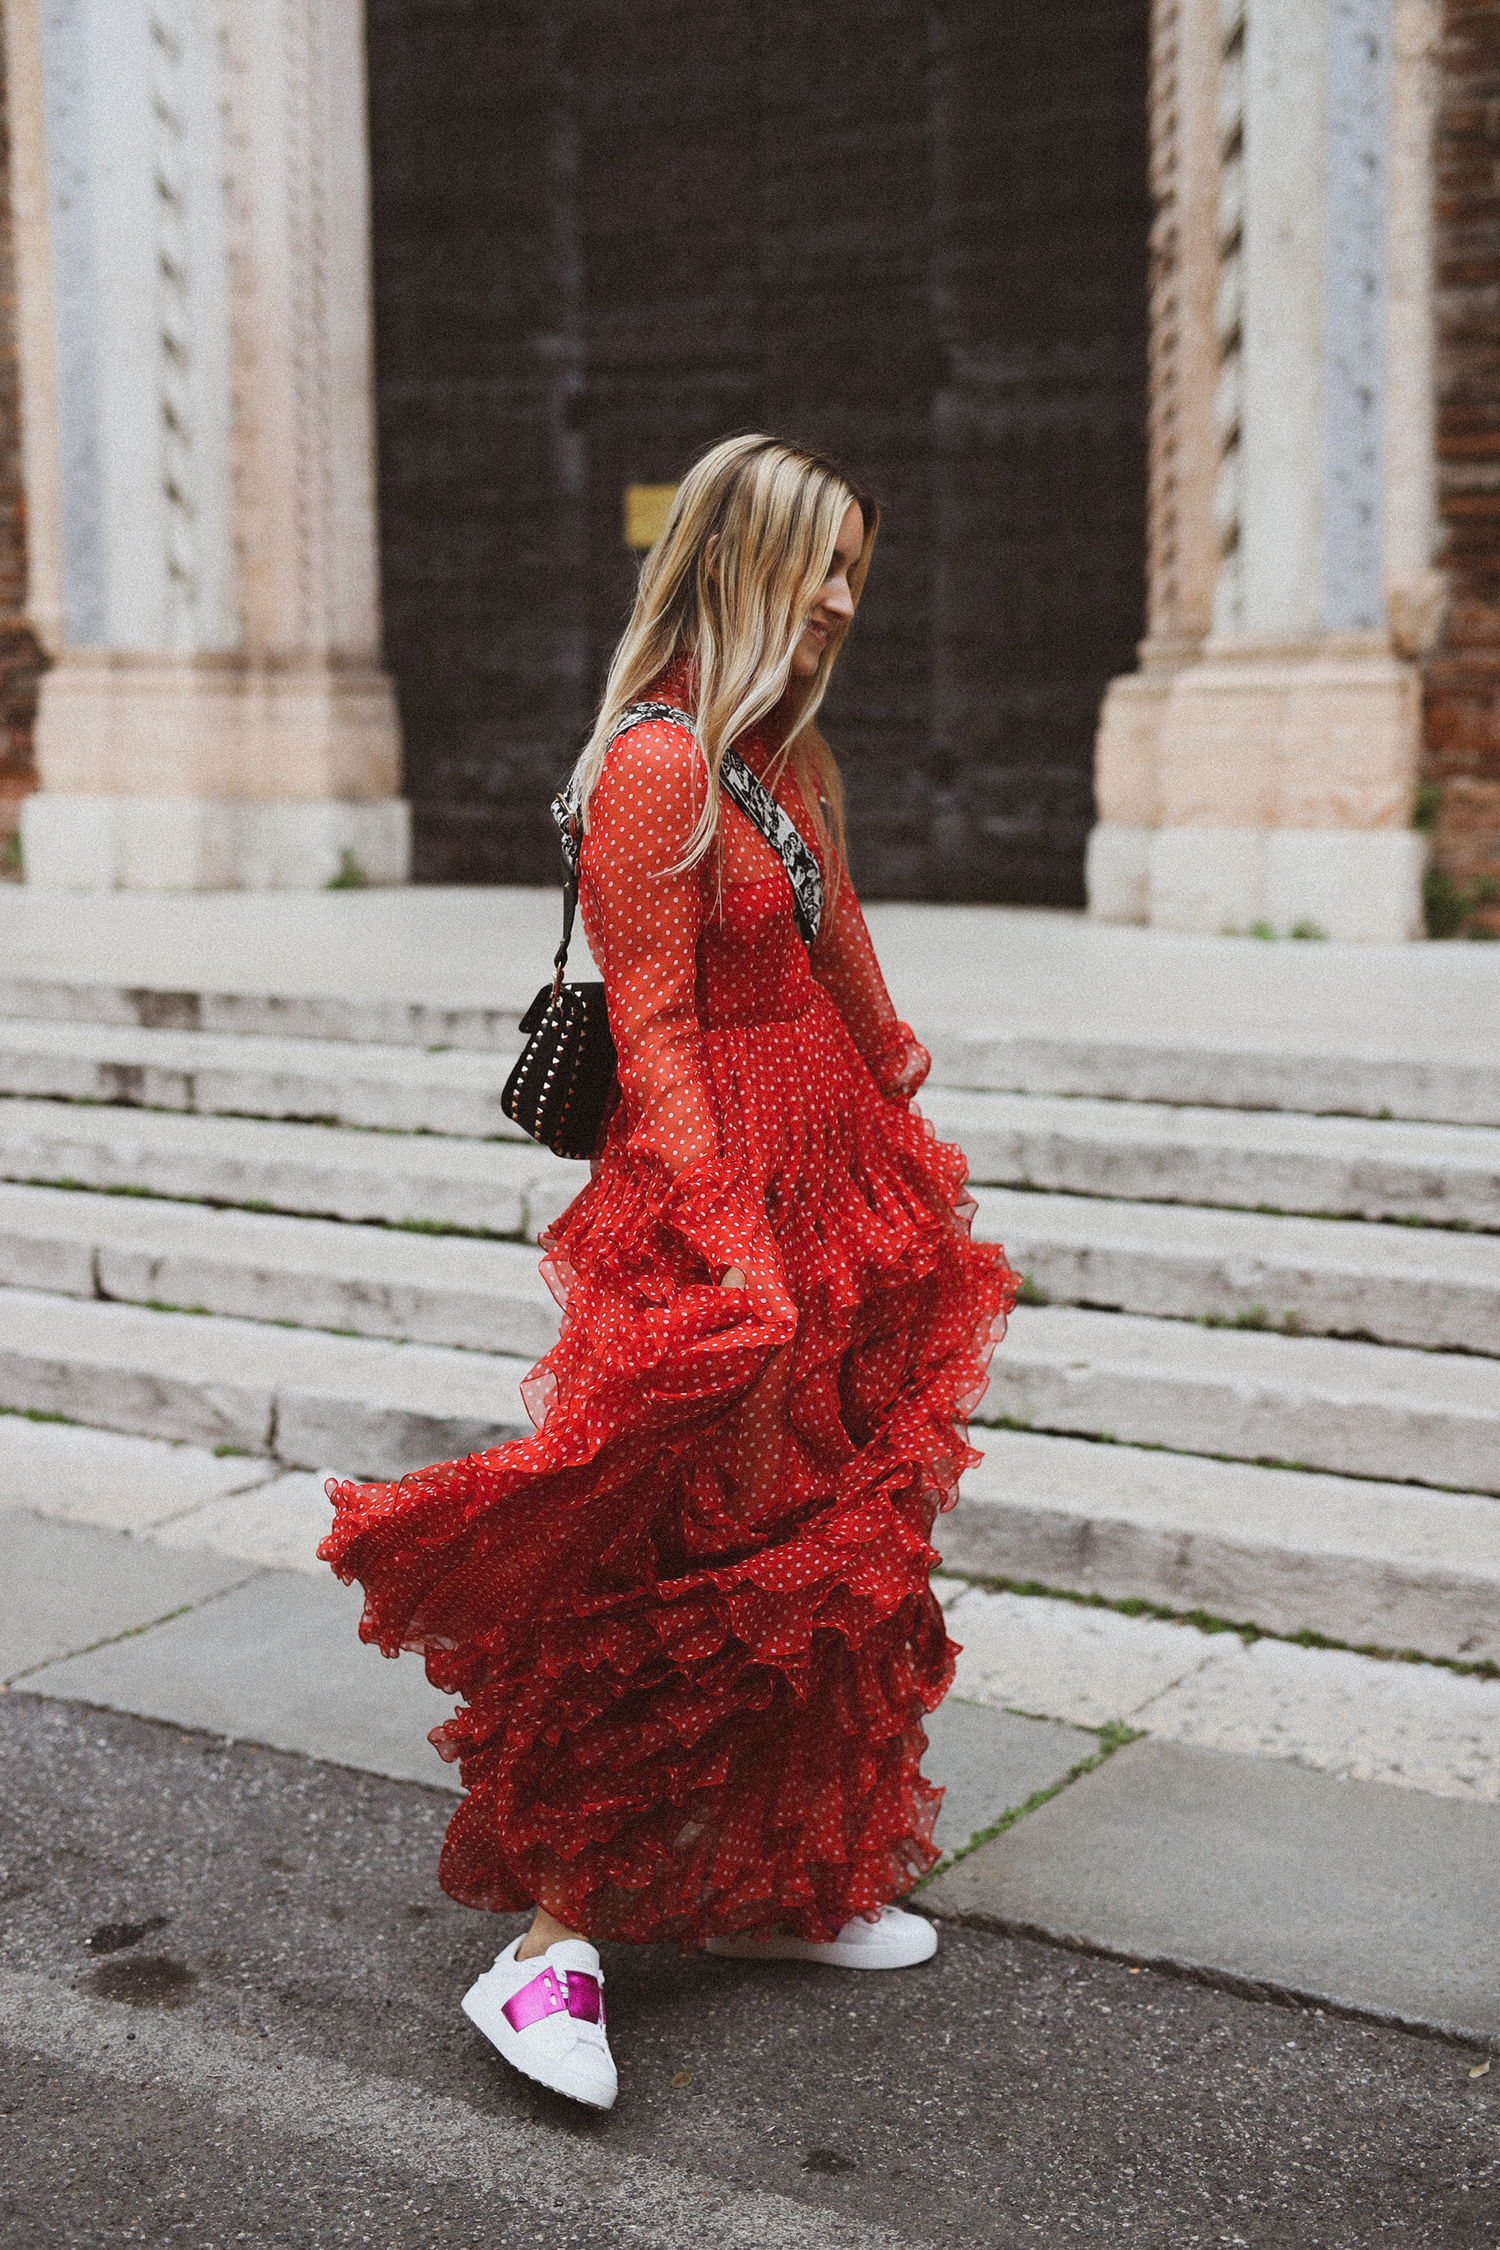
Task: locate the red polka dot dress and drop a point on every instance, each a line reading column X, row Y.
column 688, row 1619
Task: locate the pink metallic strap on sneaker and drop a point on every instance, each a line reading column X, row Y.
column 544, row 1996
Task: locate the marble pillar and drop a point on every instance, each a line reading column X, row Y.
column 1260, row 768
column 198, row 395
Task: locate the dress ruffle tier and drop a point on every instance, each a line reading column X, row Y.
column 688, row 1619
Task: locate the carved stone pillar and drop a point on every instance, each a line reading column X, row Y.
column 216, row 715
column 1194, row 144
column 1271, row 739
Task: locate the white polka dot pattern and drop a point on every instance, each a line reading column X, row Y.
column 688, row 1617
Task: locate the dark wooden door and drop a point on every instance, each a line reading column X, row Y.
column 607, row 235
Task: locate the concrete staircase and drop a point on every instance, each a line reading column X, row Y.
column 1257, row 1372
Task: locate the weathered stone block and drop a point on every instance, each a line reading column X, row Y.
column 203, row 843
column 1127, row 752
column 1117, row 872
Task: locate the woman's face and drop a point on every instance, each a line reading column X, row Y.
column 833, row 605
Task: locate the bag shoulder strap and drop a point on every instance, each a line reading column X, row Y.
column 570, row 826
column 745, row 790
column 785, row 838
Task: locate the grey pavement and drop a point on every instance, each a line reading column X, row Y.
column 228, row 2012
column 1354, row 1894
column 273, row 1657
column 277, row 1661
column 49, row 1605
column 991, row 1762
column 201, row 1639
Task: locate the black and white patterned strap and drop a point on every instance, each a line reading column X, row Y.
column 753, row 799
column 785, row 839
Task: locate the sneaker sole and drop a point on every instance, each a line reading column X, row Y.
column 505, row 2043
column 909, row 1955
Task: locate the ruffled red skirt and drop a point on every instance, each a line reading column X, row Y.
column 689, row 1618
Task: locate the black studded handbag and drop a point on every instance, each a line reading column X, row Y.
column 564, row 1086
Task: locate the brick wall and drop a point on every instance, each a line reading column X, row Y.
column 20, row 658
column 1463, row 674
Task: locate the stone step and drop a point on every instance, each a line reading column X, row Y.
column 1370, row 1564
column 1346, row 1167
column 1361, row 1410
column 1327, row 1277
column 308, row 1273
column 1449, row 1089
column 370, row 1019
column 1359, row 1560
column 294, row 1395
column 1414, row 1286
column 1374, row 1564
column 323, row 1171
column 1272, row 1075
column 1418, row 1726
column 392, row 1088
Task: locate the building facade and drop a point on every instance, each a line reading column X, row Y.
column 1320, row 665
column 189, row 217
column 606, row 236
column 334, row 337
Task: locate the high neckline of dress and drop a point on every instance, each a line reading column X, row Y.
column 678, row 684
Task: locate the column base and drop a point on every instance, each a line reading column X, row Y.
column 124, row 723
column 1117, row 872
column 1259, row 784
column 105, row 843
column 1360, row 886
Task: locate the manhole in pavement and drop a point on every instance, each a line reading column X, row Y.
column 114, row 1937
column 151, row 1980
column 827, row 2160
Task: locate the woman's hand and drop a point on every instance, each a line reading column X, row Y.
column 734, row 1279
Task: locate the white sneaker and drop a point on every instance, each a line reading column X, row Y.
column 897, row 1941
column 546, row 2016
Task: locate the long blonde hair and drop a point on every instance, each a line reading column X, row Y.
column 747, row 543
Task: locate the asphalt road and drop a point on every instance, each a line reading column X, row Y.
column 229, row 2010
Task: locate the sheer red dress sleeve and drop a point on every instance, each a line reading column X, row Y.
column 843, row 961
column 643, row 923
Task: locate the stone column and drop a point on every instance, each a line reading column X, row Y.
column 216, row 715
column 1195, row 137
column 1275, row 754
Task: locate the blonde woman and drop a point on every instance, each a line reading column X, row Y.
column 689, row 1617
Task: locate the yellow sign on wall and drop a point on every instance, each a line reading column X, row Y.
column 646, row 508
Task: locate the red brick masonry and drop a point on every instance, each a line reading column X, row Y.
column 1463, row 673
column 21, row 659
